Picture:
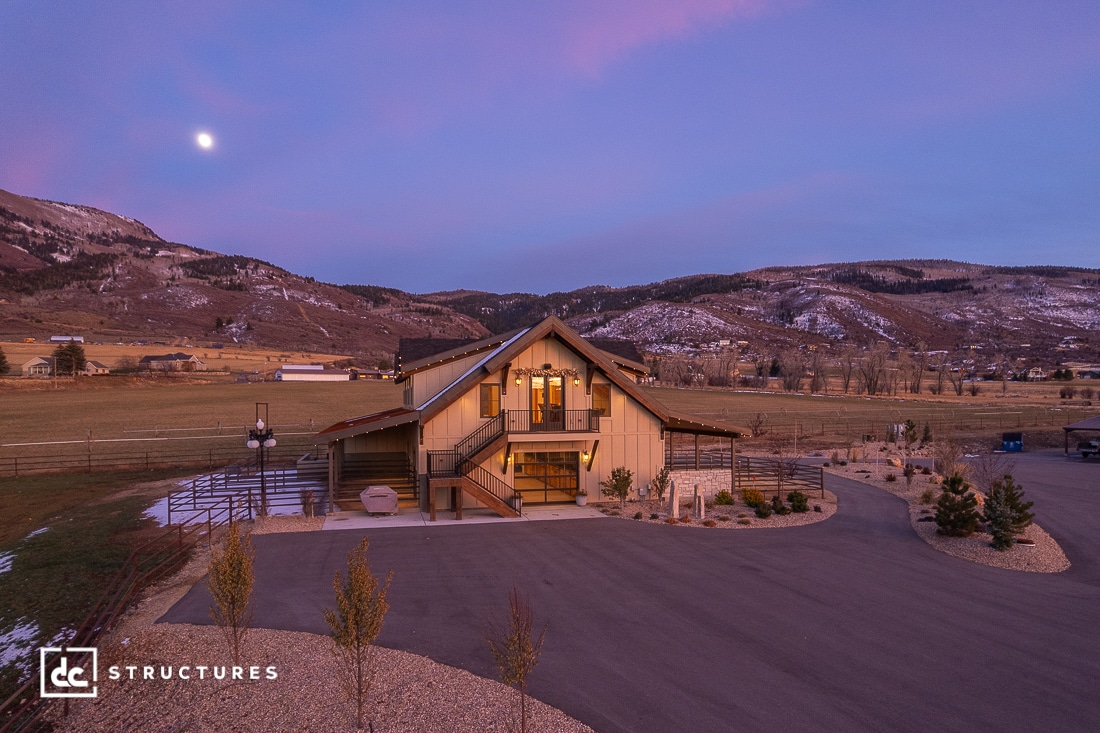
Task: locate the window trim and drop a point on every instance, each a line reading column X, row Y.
column 485, row 399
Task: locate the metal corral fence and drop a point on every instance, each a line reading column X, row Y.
column 301, row 488
column 778, row 475
column 202, row 452
column 158, row 558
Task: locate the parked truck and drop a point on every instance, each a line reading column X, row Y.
column 1089, row 448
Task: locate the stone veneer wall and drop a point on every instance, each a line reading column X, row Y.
column 710, row 480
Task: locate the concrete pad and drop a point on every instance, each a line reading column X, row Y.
column 408, row 517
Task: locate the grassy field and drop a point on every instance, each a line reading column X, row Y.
column 839, row 418
column 234, row 357
column 173, row 417
column 91, row 419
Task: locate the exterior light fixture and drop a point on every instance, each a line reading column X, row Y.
column 258, row 439
column 576, row 381
column 585, row 455
column 519, row 380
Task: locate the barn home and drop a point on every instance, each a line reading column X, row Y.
column 530, row 417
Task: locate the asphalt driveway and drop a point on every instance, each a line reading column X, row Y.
column 853, row 624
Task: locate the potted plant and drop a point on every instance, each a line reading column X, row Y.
column 582, row 496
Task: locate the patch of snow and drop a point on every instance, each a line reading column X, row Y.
column 60, row 257
column 6, row 560
column 17, row 644
column 35, row 533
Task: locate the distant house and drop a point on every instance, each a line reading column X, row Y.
column 310, row 373
column 94, row 368
column 66, row 339
column 1036, row 374
column 178, row 362
column 38, row 367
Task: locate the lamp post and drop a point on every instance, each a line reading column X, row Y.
column 258, row 439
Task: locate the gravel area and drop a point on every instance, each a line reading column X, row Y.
column 1045, row 556
column 410, row 692
column 737, row 515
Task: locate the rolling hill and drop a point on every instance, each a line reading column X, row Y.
column 75, row 269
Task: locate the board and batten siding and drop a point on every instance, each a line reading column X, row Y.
column 432, row 381
column 629, row 437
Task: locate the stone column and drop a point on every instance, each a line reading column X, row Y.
column 673, row 500
column 698, row 506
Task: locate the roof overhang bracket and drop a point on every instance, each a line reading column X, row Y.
column 504, row 377
column 507, row 459
column 592, row 456
column 589, row 372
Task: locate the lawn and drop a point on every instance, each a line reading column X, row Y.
column 61, row 538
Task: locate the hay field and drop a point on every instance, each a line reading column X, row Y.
column 234, row 357
column 175, row 417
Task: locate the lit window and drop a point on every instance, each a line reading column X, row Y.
column 490, row 400
column 601, row 399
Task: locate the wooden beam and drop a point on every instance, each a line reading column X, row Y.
column 589, row 373
column 592, row 456
column 507, row 457
column 504, row 378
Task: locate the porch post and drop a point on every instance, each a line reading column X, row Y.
column 431, row 501
column 332, row 477
column 697, row 451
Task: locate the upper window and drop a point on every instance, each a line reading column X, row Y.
column 490, row 400
column 601, row 399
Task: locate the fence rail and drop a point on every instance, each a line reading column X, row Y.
column 778, row 475
column 100, row 458
column 166, row 553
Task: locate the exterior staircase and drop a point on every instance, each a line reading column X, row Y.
column 464, row 461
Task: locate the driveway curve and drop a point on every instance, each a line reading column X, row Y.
column 853, row 624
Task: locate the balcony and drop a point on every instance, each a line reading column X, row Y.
column 552, row 421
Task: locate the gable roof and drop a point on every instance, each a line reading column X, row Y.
column 550, row 327
column 178, row 356
column 415, row 355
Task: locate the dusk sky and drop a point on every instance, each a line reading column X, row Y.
column 540, row 146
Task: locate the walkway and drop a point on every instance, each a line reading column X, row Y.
column 853, row 624
column 470, row 515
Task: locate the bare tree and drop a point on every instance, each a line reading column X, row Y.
column 946, row 452
column 361, row 607
column 990, row 468
column 942, row 366
column 230, row 581
column 758, row 424
column 792, row 370
column 784, row 448
column 872, row 368
column 516, row 649
column 819, row 379
column 847, row 363
column 920, row 366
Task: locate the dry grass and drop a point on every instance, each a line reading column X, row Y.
column 234, row 357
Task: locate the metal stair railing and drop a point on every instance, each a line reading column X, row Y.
column 487, row 481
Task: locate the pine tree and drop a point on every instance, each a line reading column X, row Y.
column 3, row 363
column 1006, row 513
column 69, row 359
column 957, row 509
column 926, row 436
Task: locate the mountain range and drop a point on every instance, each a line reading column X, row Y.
column 70, row 269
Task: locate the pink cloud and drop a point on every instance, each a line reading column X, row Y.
column 603, row 33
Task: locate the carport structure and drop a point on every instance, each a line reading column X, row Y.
column 1091, row 424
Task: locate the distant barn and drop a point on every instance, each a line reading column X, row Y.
column 66, row 339
column 310, row 373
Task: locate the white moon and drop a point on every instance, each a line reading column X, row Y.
column 204, row 140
